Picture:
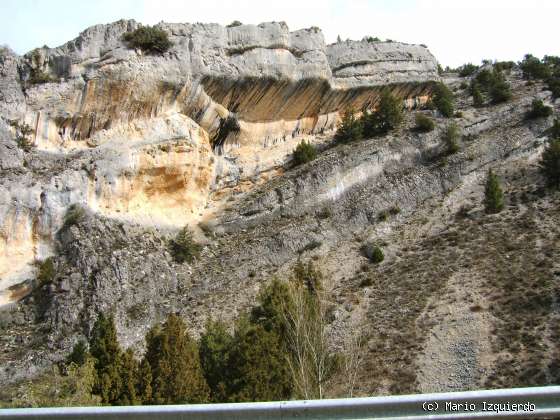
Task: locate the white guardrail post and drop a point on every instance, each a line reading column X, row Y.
column 524, row 403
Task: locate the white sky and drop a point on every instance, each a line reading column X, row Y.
column 456, row 31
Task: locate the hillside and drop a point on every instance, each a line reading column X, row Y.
column 129, row 147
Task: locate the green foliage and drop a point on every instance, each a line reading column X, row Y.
column 554, row 131
column 129, row 372
column 550, row 162
column 533, row 68
column 257, row 365
column 144, row 382
column 305, row 152
column 183, row 247
column 539, row 110
column 234, row 24
column 308, row 276
column 149, row 39
column 442, row 99
column 493, row 195
column 349, row 129
column 500, row 91
column 74, row 215
column 387, row 116
column 54, row 389
column 373, row 252
column 272, row 300
column 46, row 272
column 177, row 376
column 450, row 138
column 504, row 65
column 214, row 349
column 23, row 132
column 467, row 69
column 424, row 123
column 79, row 354
column 371, row 39
column 478, row 99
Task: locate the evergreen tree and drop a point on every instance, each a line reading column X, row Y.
column 478, row 99
column 177, row 377
column 144, row 382
column 450, row 138
column 273, row 301
column 386, row 117
column 79, row 354
column 550, row 162
column 493, row 195
column 107, row 353
column 349, row 129
column 305, row 152
column 129, row 377
column 214, row 348
column 442, row 99
column 258, row 365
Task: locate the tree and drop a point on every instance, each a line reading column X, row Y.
column 387, row 116
column 144, row 382
column 79, row 354
column 149, row 39
column 305, row 152
column 450, row 138
column 107, row 354
column 467, row 69
column 533, row 68
column 478, row 99
column 311, row 362
column 550, row 162
column 183, row 247
column 500, row 91
column 173, row 357
column 214, row 348
column 129, row 378
column 554, row 131
column 257, row 365
column 349, row 129
column 493, row 195
column 442, row 99
column 272, row 300
column 539, row 110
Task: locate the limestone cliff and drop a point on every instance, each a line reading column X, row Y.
column 162, row 139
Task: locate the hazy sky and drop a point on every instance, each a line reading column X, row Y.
column 456, row 31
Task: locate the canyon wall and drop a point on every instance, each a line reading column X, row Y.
column 162, row 140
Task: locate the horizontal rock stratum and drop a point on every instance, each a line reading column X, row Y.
column 163, row 139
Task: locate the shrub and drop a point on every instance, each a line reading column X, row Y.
column 374, row 253
column 149, row 39
column 554, row 131
column 450, row 138
column 79, row 354
column 539, row 110
column 424, row 123
column 74, row 215
column 442, row 100
column 533, row 68
column 372, row 39
column 386, row 117
column 305, row 152
column 349, row 129
column 500, row 91
column 504, row 65
column 183, row 247
column 478, row 99
column 463, row 85
column 493, row 195
column 46, row 272
column 467, row 69
column 550, row 162
column 234, row 24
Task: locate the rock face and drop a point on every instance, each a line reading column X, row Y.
column 158, row 139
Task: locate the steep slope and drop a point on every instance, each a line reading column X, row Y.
column 159, row 139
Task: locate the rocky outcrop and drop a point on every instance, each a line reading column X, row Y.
column 160, row 139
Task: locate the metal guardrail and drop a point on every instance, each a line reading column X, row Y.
column 538, row 402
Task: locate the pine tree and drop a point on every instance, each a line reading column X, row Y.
column 478, row 99
column 144, row 382
column 107, row 353
column 386, row 117
column 493, row 195
column 550, row 162
column 79, row 354
column 272, row 303
column 450, row 138
column 442, row 99
column 214, row 349
column 129, row 377
column 258, row 365
column 349, row 129
column 173, row 356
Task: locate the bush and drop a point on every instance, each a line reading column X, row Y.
column 500, row 91
column 493, row 195
column 79, row 354
column 183, row 247
column 442, row 100
column 554, row 131
column 550, row 163
column 386, row 117
column 234, row 24
column 478, row 99
column 305, row 152
column 504, row 65
column 424, row 123
column 467, row 69
column 46, row 272
column 533, row 68
column 349, row 129
column 539, row 110
column 74, row 215
column 149, row 39
column 450, row 138
column 374, row 253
